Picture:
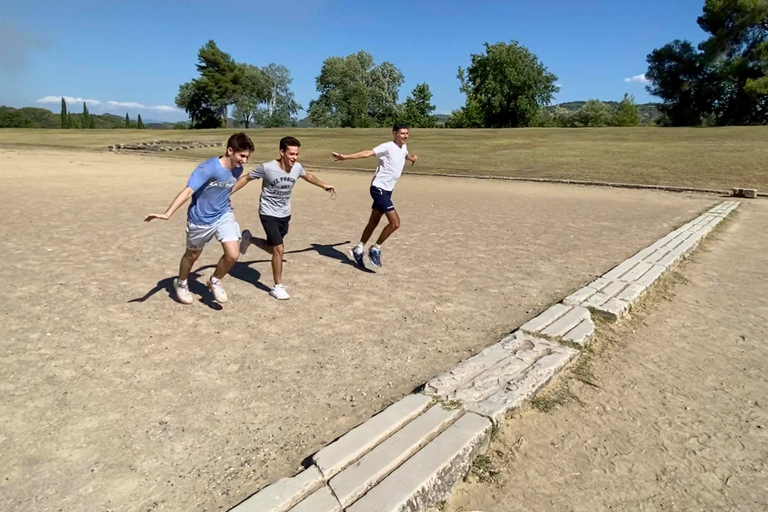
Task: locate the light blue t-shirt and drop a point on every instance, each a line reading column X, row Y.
column 212, row 183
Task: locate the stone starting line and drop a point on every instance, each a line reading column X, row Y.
column 410, row 456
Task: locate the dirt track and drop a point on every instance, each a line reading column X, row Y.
column 115, row 397
column 676, row 418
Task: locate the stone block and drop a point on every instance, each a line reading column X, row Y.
column 361, row 439
column 582, row 334
column 515, row 393
column 357, row 479
column 282, row 495
column 546, row 318
column 567, row 322
column 321, row 500
column 428, row 478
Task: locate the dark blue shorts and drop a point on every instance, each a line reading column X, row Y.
column 382, row 200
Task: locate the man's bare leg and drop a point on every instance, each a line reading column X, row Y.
column 277, row 263
column 373, row 221
column 394, row 225
column 189, row 259
column 228, row 259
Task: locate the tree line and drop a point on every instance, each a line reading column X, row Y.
column 723, row 80
column 87, row 121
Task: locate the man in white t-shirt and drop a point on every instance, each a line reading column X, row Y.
column 392, row 157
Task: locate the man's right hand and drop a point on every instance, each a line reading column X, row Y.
column 153, row 216
column 338, row 157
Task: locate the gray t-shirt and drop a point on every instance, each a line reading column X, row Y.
column 277, row 187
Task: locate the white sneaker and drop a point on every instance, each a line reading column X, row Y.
column 218, row 291
column 182, row 292
column 279, row 292
column 245, row 241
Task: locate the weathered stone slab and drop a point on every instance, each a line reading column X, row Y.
column 357, row 479
column 615, row 287
column 513, row 395
column 582, row 334
column 596, row 300
column 579, row 296
column 599, row 283
column 613, row 309
column 546, row 318
column 637, row 271
column 428, row 478
column 496, row 377
column 567, row 322
column 621, row 269
column 358, row 441
column 322, row 500
column 446, row 383
column 651, row 276
column 283, row 494
column 631, row 293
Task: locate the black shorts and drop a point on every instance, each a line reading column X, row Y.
column 382, row 200
column 275, row 228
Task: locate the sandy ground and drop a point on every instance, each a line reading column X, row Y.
column 679, row 421
column 115, row 397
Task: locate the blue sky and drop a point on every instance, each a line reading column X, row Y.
column 132, row 56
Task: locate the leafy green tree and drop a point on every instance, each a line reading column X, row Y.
column 254, row 90
column 279, row 108
column 725, row 81
column 679, row 76
column 140, row 123
column 207, row 98
column 64, row 117
column 417, row 111
column 627, row 113
column 354, row 92
column 594, row 113
column 508, row 85
column 12, row 118
column 127, row 121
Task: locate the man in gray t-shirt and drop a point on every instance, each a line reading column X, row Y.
column 278, row 178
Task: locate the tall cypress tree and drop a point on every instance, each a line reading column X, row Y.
column 64, row 123
column 139, row 123
column 86, row 122
column 127, row 121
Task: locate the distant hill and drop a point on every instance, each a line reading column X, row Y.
column 33, row 117
column 649, row 112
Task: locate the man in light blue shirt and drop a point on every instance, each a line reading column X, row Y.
column 210, row 214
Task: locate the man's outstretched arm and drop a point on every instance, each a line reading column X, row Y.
column 180, row 199
column 354, row 156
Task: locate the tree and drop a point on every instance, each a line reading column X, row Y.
column 254, row 91
column 680, row 77
column 15, row 119
column 594, row 113
column 627, row 113
column 279, row 106
column 417, row 112
column 64, row 117
column 354, row 92
column 139, row 123
column 508, row 84
column 207, row 98
column 738, row 52
column 127, row 121
column 85, row 122
column 726, row 79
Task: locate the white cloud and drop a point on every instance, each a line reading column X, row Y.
column 68, row 99
column 637, row 79
column 133, row 104
column 558, row 84
column 73, row 100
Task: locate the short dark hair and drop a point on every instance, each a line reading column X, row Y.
column 399, row 126
column 240, row 142
column 289, row 141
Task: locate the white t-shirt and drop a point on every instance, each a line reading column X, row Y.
column 391, row 163
column 277, row 187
